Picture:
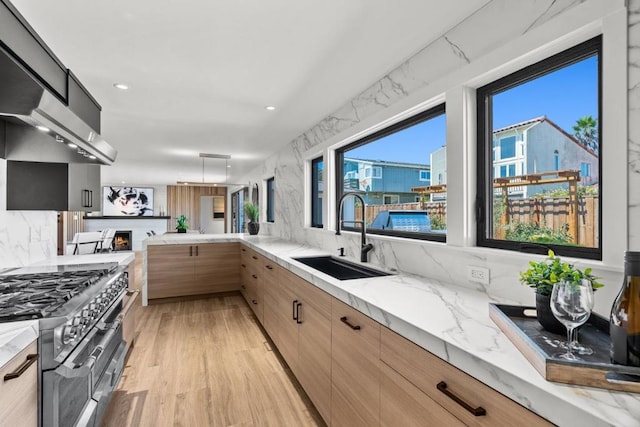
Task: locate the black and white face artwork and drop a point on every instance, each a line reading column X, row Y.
column 129, row 201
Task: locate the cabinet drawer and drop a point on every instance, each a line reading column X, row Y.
column 403, row 404
column 426, row 371
column 19, row 396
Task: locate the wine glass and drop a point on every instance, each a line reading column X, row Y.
column 571, row 304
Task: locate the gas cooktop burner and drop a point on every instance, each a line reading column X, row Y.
column 34, row 296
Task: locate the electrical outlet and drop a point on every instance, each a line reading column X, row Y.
column 478, row 274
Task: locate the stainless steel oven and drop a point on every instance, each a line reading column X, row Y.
column 81, row 349
column 77, row 392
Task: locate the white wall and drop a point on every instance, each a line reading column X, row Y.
column 500, row 38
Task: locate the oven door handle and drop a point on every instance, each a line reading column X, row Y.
column 85, row 367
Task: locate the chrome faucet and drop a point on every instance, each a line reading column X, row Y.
column 364, row 246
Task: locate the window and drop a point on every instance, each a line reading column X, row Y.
column 317, row 192
column 410, row 152
column 390, row 199
column 271, row 196
column 508, row 147
column 559, row 129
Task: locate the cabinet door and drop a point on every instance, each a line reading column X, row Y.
column 314, row 345
column 355, row 367
column 19, row 396
column 279, row 313
column 170, row 270
column 84, row 187
column 216, row 267
column 403, row 404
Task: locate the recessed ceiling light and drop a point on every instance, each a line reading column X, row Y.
column 43, row 128
column 270, row 107
column 123, row 182
column 92, row 157
column 121, row 86
column 72, row 145
column 228, row 166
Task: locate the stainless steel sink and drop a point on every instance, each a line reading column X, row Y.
column 339, row 268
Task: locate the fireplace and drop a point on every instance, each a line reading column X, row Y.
column 122, row 240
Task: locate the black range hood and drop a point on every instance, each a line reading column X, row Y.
column 37, row 89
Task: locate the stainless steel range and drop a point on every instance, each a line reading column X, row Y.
column 80, row 346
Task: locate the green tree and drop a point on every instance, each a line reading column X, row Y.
column 586, row 131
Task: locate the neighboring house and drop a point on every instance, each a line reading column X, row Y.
column 535, row 146
column 438, row 161
column 385, row 182
column 540, row 145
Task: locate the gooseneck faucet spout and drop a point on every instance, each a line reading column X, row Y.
column 364, row 246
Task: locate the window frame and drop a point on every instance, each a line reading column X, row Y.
column 339, row 163
column 315, row 221
column 270, row 185
column 427, row 175
column 484, row 212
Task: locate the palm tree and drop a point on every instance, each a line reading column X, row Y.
column 586, row 131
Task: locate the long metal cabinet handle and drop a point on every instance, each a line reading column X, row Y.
column 346, row 322
column 190, row 250
column 196, row 251
column 30, row 360
column 294, row 309
column 298, row 305
column 478, row 412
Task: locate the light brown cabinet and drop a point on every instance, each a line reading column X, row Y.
column 19, row 389
column 251, row 278
column 355, row 367
column 297, row 316
column 468, row 399
column 181, row 270
column 279, row 315
column 313, row 317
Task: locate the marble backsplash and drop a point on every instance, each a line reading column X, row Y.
column 27, row 237
column 457, row 48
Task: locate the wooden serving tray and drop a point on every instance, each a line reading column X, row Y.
column 540, row 347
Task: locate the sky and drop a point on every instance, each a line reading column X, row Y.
column 563, row 96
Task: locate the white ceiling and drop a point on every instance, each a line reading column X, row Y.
column 202, row 71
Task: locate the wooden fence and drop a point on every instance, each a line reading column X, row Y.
column 552, row 213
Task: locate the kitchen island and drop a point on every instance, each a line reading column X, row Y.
column 449, row 321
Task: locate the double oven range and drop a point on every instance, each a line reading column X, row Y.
column 80, row 346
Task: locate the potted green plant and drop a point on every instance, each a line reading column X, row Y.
column 253, row 213
column 181, row 224
column 542, row 275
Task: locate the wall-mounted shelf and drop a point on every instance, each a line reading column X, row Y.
column 126, row 217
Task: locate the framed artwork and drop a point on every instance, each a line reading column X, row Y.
column 127, row 201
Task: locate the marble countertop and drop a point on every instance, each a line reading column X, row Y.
column 453, row 323
column 121, row 257
column 15, row 336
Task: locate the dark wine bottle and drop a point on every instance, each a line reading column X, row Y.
column 625, row 315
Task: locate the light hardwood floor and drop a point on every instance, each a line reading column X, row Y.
column 206, row 362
